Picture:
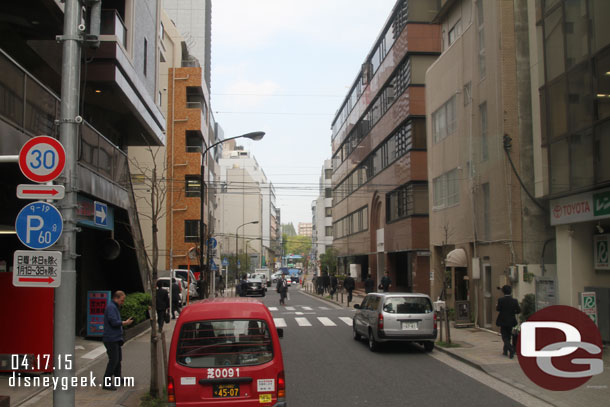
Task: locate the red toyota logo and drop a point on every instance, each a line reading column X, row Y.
column 560, row 348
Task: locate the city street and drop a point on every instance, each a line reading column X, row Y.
column 326, row 367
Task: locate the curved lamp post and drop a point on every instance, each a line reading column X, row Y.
column 256, row 135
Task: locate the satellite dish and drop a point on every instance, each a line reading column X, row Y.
column 110, row 249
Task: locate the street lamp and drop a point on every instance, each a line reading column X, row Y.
column 254, row 222
column 256, row 135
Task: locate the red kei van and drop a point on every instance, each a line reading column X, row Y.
column 226, row 352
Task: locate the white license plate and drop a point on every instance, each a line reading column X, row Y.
column 407, row 326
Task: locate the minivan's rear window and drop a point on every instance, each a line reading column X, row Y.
column 407, row 305
column 224, row 343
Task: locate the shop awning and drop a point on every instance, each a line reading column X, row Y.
column 456, row 258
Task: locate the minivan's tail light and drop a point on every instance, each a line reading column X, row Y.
column 435, row 320
column 380, row 322
column 171, row 392
column 281, row 385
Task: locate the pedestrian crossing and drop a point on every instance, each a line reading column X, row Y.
column 306, row 322
column 300, row 308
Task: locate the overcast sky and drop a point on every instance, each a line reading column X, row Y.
column 284, row 67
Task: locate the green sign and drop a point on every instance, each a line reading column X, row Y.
column 601, row 246
column 589, row 305
column 601, row 204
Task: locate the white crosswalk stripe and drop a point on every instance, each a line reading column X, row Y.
column 326, row 321
column 307, row 308
column 303, row 322
column 290, row 308
column 279, row 322
column 347, row 320
column 325, row 308
column 272, row 308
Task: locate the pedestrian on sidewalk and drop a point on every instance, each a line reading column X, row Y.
column 349, row 284
column 507, row 307
column 369, row 284
column 333, row 285
column 176, row 306
column 386, row 282
column 161, row 304
column 113, row 338
column 282, row 288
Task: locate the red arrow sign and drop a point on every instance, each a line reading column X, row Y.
column 51, row 192
column 49, row 280
column 28, row 191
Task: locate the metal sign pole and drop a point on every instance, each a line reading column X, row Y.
column 65, row 294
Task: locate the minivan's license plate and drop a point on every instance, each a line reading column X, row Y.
column 226, row 390
column 407, row 326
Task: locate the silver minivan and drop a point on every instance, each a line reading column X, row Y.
column 385, row 317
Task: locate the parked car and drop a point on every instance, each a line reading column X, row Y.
column 184, row 275
column 226, row 351
column 255, row 286
column 385, row 317
column 165, row 281
column 263, row 278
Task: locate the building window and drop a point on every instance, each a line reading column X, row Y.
column 328, row 193
column 467, row 94
column 481, row 31
column 191, row 230
column 194, row 141
column 193, row 186
column 486, row 214
column 329, row 230
column 483, row 123
column 328, row 173
column 454, row 32
column 145, row 55
column 407, row 200
column 444, row 120
column 355, row 222
column 446, row 190
column 328, row 212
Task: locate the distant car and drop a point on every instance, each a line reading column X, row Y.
column 226, row 352
column 255, row 286
column 165, row 281
column 404, row 317
column 184, row 275
column 263, row 277
column 275, row 276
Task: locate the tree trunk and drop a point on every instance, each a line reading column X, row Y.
column 154, row 365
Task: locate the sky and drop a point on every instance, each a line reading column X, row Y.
column 284, row 67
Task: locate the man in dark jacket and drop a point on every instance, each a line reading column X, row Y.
column 386, row 282
column 349, row 284
column 162, row 304
column 507, row 307
column 282, row 288
column 113, row 338
column 176, row 303
column 333, row 285
column 369, row 284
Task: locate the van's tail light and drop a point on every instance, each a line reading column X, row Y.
column 435, row 320
column 171, row 392
column 281, row 385
column 380, row 322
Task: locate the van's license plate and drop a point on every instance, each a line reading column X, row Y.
column 226, row 390
column 407, row 326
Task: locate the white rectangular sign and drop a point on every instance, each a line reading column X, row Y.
column 36, row 268
column 35, row 191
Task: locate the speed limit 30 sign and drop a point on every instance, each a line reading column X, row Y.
column 42, row 159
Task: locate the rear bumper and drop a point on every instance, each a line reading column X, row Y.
column 386, row 337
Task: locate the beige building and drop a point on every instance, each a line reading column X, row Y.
column 305, row 228
column 484, row 229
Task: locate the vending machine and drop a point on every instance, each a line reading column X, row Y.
column 96, row 301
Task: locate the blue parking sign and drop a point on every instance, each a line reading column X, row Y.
column 39, row 225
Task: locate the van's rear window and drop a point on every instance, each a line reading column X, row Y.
column 407, row 305
column 224, row 343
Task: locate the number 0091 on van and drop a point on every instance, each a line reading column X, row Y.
column 226, row 352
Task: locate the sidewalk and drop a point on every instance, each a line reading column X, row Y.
column 482, row 349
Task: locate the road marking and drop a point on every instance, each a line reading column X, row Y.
column 298, row 313
column 279, row 322
column 307, row 308
column 289, row 308
column 272, row 308
column 326, row 321
column 347, row 320
column 324, row 308
column 94, row 353
column 303, row 322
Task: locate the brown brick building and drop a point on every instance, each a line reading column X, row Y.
column 380, row 188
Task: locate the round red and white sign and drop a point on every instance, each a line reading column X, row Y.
column 42, row 159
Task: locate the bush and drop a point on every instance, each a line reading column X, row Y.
column 528, row 307
column 136, row 307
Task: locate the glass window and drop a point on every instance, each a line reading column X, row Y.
column 455, row 32
column 193, row 185
column 577, row 32
column 581, row 160
column 580, row 101
column 191, row 230
column 407, row 305
column 328, row 212
column 602, row 145
column 557, row 114
column 329, row 230
column 560, row 167
column 328, row 192
column 194, row 141
column 602, row 94
column 224, row 343
column 553, row 47
column 328, row 173
column 481, row 35
column 599, row 10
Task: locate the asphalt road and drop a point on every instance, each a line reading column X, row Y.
column 326, row 367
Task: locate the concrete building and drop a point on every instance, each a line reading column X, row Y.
column 484, row 230
column 245, row 196
column 380, row 190
column 322, row 214
column 569, row 52
column 119, row 110
column 305, row 228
